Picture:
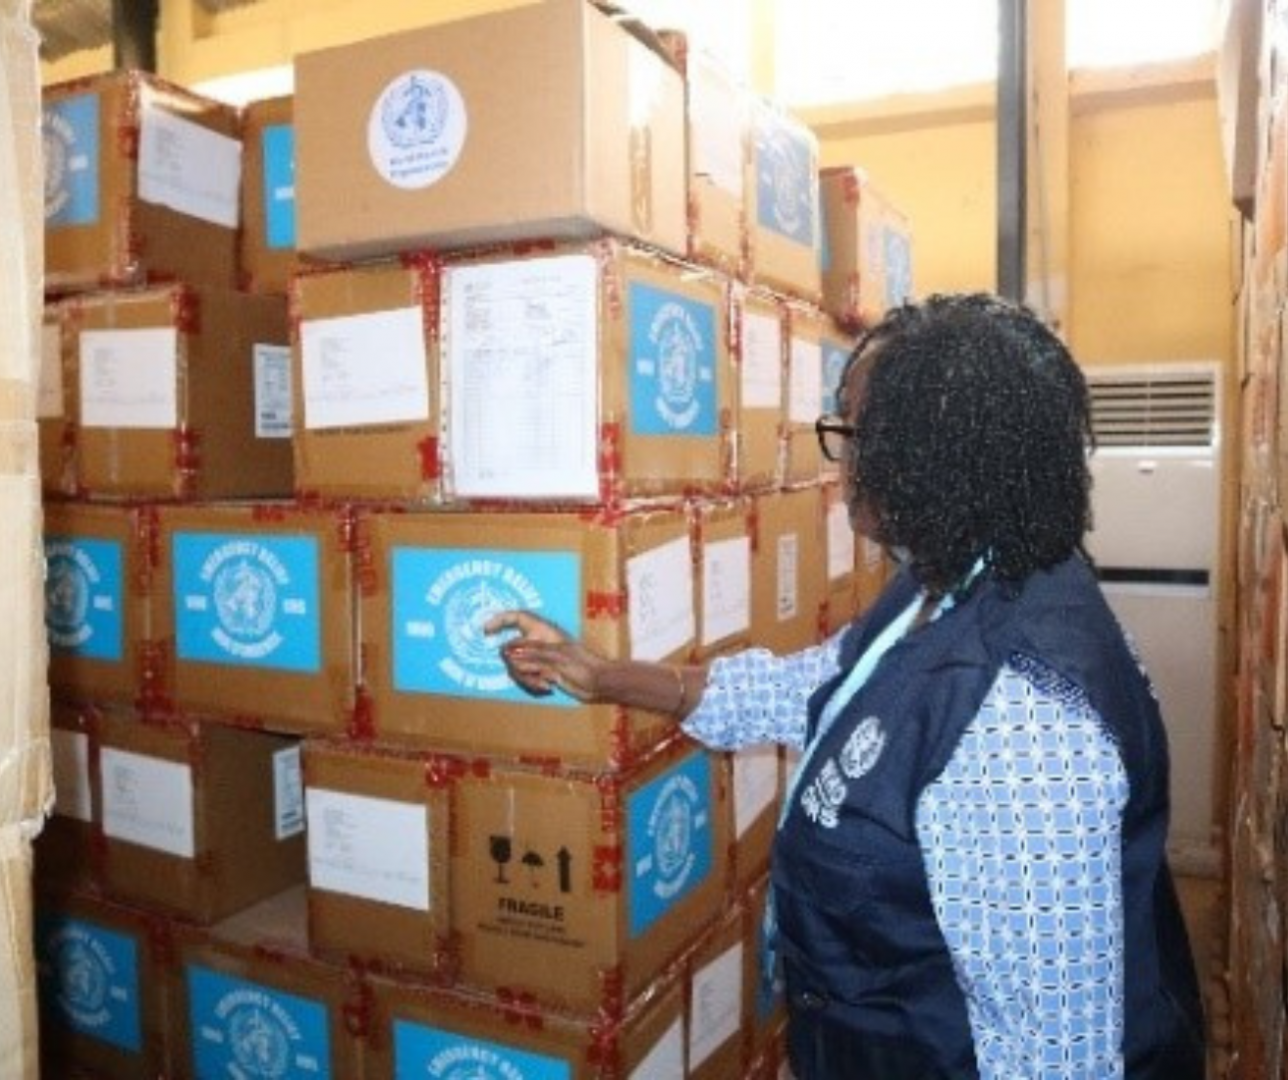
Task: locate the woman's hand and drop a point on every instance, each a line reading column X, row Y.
column 543, row 658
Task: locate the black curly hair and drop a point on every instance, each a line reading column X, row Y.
column 973, row 436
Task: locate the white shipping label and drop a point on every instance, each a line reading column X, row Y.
column 761, row 374
column 49, row 390
column 715, row 1010
column 755, row 785
column 521, row 358
column 70, row 753
column 365, row 369
column 272, row 364
column 188, row 168
column 805, row 389
column 786, row 604
column 840, row 542
column 129, row 378
column 665, row 1061
column 148, row 801
column 726, row 588
column 417, row 129
column 660, row 585
column 288, row 793
column 718, row 126
column 377, row 849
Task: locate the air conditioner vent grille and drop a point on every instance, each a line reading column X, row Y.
column 1154, row 409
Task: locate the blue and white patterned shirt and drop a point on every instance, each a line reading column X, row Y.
column 1021, row 837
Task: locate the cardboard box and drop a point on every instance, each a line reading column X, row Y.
column 784, row 231
column 141, row 183
column 56, row 407
column 199, row 821
column 378, row 828
column 253, row 618
column 717, row 999
column 593, row 372
column 266, row 244
column 867, row 257
column 756, row 792
column 622, row 583
column 843, row 549
column 97, row 573
column 802, row 459
column 365, row 381
column 66, row 854
column 717, row 114
column 788, row 570
column 103, row 997
column 766, row 1008
column 419, row 1031
column 540, row 121
column 723, row 546
column 248, row 999
column 759, row 351
column 182, row 394
column 576, row 891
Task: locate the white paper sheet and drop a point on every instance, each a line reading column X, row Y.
column 786, row 599
column 288, row 793
column 717, row 126
column 188, row 168
column 726, row 588
column 665, row 1061
column 377, row 849
column 521, row 353
column 715, row 1010
column 755, row 785
column 70, row 752
column 840, row 542
column 147, row 801
column 129, row 378
column 272, row 365
column 365, row 369
column 805, row 388
column 761, row 374
column 49, row 390
column 660, row 585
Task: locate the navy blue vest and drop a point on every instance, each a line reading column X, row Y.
column 870, row 983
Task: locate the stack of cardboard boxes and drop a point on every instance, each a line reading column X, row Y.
column 555, row 342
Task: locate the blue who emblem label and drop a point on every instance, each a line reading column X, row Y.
column 248, row 601
column 673, row 363
column 417, row 129
column 70, row 135
column 442, row 597
column 278, row 146
column 421, row 1052
column 89, row 979
column 786, row 183
column 670, row 842
column 84, row 597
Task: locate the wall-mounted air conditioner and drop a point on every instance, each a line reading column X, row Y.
column 1156, row 502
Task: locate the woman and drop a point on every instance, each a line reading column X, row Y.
column 969, row 876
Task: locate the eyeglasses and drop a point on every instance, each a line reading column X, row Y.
column 835, row 437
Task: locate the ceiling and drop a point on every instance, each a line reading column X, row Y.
column 68, row 26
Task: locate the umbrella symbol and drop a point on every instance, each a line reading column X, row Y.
column 533, row 862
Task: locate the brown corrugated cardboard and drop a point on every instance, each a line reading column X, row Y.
column 266, row 245
column 198, row 820
column 621, row 582
column 56, row 407
column 716, row 995
column 867, row 267
column 723, row 558
column 541, row 121
column 802, row 459
column 418, row 1031
column 65, row 851
column 575, row 891
column 97, row 573
column 836, row 344
column 378, row 827
column 590, row 372
column 788, row 570
column 759, row 352
column 248, row 999
column 253, row 617
column 755, row 785
column 718, row 129
column 182, row 394
column 141, row 184
column 841, row 545
column 784, row 231
column 365, row 381
column 102, row 969
column 18, row 999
